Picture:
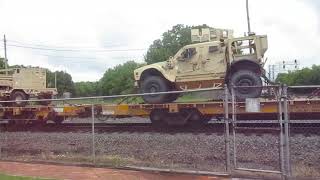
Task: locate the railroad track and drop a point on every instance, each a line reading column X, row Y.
column 243, row 127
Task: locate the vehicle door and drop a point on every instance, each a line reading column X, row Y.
column 213, row 63
column 188, row 62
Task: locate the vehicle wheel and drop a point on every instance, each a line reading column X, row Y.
column 154, row 84
column 172, row 97
column 18, row 95
column 45, row 103
column 246, row 78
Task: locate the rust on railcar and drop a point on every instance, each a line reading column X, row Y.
column 27, row 113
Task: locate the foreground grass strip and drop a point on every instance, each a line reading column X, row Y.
column 10, row 177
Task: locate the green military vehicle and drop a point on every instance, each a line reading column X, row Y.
column 216, row 58
column 23, row 84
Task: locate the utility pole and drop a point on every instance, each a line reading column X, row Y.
column 273, row 73
column 5, row 53
column 55, row 79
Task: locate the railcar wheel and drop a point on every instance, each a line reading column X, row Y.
column 206, row 118
column 176, row 119
column 197, row 118
column 58, row 119
column 157, row 117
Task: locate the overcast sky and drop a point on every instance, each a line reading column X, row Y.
column 95, row 27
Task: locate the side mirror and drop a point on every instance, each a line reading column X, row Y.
column 170, row 63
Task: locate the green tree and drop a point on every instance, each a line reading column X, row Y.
column 64, row 81
column 305, row 76
column 2, row 63
column 118, row 80
column 171, row 42
column 83, row 89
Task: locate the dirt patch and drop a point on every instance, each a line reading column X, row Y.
column 85, row 173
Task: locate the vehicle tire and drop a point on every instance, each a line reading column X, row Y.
column 45, row 103
column 246, row 78
column 19, row 95
column 172, row 97
column 153, row 84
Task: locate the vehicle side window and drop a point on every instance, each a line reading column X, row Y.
column 188, row 53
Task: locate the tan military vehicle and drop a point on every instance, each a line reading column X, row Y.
column 214, row 60
column 25, row 83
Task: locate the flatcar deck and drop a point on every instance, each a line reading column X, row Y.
column 267, row 109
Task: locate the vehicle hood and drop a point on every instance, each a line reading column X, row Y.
column 160, row 66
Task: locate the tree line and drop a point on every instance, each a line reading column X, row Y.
column 305, row 76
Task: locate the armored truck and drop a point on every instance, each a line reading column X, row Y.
column 23, row 84
column 213, row 59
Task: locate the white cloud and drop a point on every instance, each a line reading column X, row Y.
column 292, row 27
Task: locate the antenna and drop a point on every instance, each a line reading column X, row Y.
column 248, row 17
column 248, row 22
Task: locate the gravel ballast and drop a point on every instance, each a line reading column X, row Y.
column 200, row 151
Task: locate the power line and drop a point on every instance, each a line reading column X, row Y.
column 80, row 57
column 92, row 58
column 86, row 58
column 75, row 50
column 47, row 46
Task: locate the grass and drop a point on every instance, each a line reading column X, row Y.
column 304, row 170
column 131, row 100
column 9, row 177
column 104, row 160
column 190, row 97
